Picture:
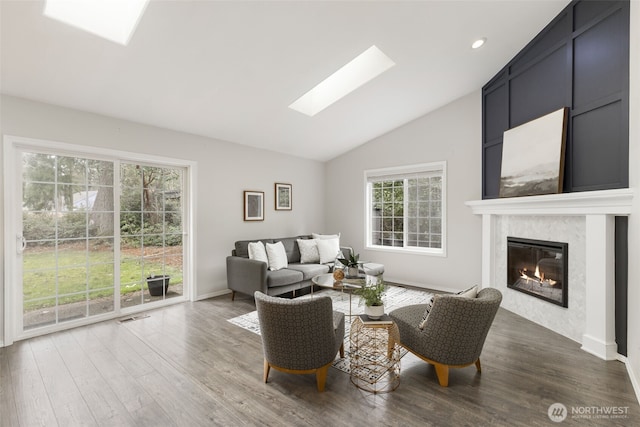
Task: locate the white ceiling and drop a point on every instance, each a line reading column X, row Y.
column 229, row 70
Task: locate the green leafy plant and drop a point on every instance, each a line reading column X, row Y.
column 372, row 294
column 351, row 261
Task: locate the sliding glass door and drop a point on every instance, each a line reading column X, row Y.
column 151, row 233
column 68, row 238
column 96, row 237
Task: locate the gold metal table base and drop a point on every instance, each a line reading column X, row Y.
column 375, row 356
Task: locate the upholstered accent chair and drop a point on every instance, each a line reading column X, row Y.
column 454, row 332
column 300, row 336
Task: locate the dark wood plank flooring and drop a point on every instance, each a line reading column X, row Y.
column 185, row 365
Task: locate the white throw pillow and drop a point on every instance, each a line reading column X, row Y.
column 277, row 256
column 257, row 252
column 325, row 236
column 472, row 292
column 308, row 251
column 427, row 310
column 328, row 249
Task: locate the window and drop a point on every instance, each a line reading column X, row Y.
column 406, row 208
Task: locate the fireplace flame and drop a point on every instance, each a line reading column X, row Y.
column 536, row 276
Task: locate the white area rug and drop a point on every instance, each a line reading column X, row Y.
column 396, row 296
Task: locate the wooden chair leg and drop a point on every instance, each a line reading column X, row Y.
column 342, row 350
column 321, row 376
column 442, row 372
column 478, row 367
column 267, row 368
column 233, row 295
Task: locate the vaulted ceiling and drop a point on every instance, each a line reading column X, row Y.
column 229, row 70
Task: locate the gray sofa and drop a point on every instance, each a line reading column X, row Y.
column 246, row 276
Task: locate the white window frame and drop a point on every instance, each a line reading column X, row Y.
column 13, row 302
column 402, row 172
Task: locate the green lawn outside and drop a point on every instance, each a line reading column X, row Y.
column 76, row 275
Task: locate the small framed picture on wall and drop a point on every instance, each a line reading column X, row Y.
column 254, row 206
column 283, row 197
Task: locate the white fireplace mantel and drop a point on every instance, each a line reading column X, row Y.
column 605, row 202
column 599, row 209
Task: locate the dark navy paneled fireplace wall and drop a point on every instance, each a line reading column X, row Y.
column 581, row 61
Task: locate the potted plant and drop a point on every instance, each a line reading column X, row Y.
column 351, row 263
column 371, row 294
column 155, row 284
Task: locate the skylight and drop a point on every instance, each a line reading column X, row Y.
column 360, row 70
column 113, row 20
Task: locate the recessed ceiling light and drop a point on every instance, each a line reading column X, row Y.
column 478, row 43
column 113, row 20
column 363, row 68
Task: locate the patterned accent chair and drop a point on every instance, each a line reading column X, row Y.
column 300, row 336
column 454, row 332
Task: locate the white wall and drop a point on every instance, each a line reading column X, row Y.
column 633, row 349
column 453, row 134
column 224, row 171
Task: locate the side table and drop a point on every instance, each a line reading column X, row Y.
column 375, row 356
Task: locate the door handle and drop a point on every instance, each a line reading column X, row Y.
column 22, row 243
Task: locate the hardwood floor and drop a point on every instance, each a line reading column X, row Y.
column 185, row 365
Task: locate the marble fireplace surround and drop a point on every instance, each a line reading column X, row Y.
column 586, row 221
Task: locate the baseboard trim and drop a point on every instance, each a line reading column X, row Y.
column 599, row 348
column 632, row 376
column 419, row 285
column 213, row 294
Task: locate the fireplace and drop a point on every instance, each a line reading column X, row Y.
column 586, row 221
column 538, row 268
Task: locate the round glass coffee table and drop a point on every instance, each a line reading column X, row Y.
column 348, row 285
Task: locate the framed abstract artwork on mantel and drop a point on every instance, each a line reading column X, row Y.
column 254, row 206
column 533, row 156
column 283, row 197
